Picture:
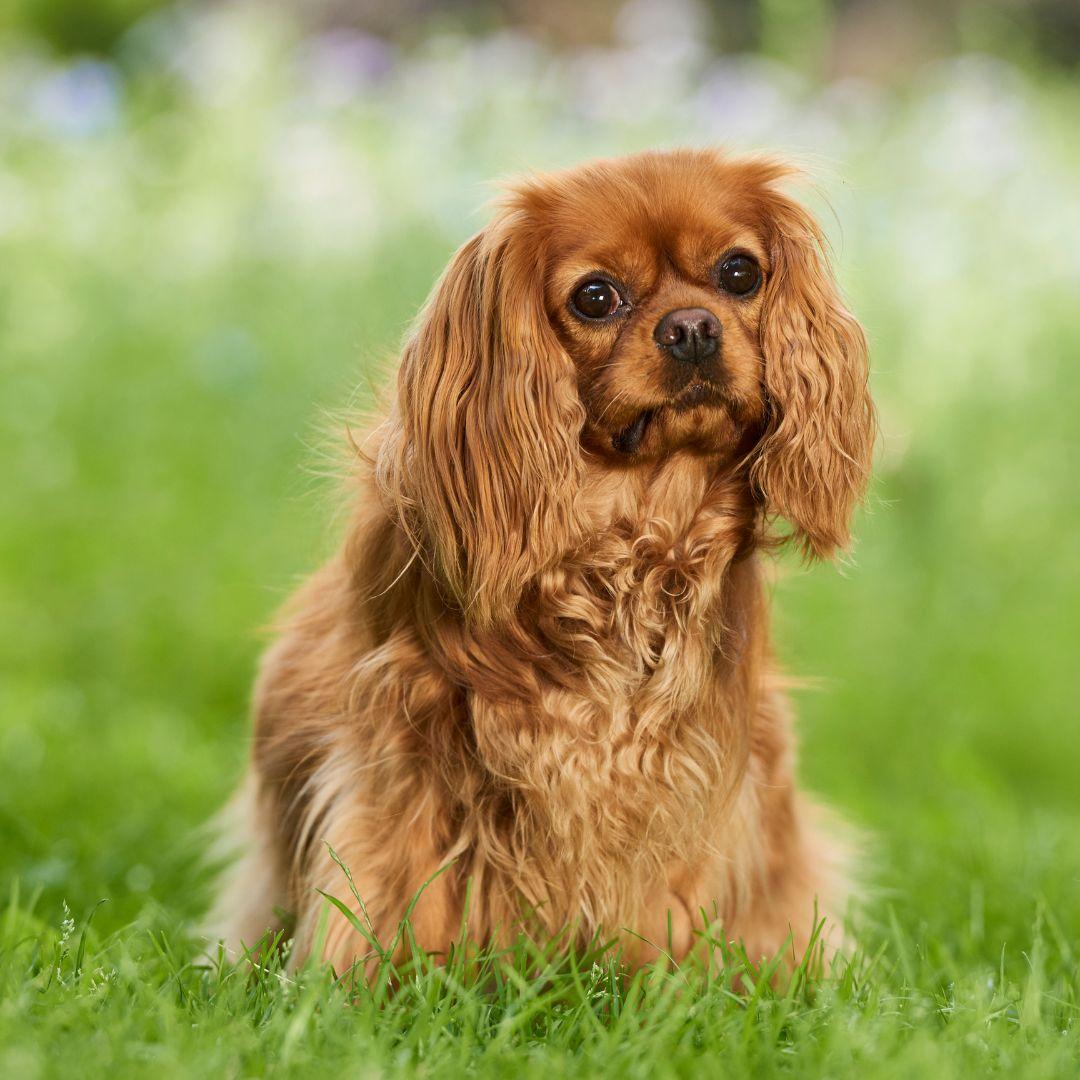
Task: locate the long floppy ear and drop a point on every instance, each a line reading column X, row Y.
column 813, row 463
column 487, row 462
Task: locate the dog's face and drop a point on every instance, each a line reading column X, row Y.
column 655, row 289
column 611, row 316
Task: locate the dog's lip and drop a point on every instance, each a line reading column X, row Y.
column 698, row 392
column 627, row 440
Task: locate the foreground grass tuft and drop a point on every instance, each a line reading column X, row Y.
column 73, row 1002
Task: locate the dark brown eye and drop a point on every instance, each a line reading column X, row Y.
column 739, row 274
column 596, row 299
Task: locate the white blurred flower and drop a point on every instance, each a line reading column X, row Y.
column 744, row 100
column 320, row 189
column 221, row 52
column 973, row 123
column 677, row 28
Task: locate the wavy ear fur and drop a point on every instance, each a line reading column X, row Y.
column 814, row 460
column 484, row 465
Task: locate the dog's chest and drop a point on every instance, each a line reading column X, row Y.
column 634, row 627
column 648, row 603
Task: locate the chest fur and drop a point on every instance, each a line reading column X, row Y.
column 635, row 727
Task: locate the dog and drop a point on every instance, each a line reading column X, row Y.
column 533, row 690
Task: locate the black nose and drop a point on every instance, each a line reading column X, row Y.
column 690, row 334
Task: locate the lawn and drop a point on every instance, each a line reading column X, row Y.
column 203, row 263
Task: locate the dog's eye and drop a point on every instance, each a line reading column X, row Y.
column 596, row 299
column 739, row 274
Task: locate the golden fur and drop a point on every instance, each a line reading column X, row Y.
column 540, row 660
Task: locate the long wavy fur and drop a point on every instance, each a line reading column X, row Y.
column 552, row 675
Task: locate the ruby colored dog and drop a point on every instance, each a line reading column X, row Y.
column 540, row 658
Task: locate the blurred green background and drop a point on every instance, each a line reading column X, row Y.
column 215, row 224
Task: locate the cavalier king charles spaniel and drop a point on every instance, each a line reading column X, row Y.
column 533, row 692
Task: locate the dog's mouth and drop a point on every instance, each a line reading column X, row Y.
column 628, row 439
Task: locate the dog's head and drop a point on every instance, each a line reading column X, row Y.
column 611, row 316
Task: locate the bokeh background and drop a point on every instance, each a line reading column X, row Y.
column 216, row 222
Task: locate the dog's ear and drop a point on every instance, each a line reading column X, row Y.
column 486, row 460
column 814, row 460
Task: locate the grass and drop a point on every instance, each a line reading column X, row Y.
column 171, row 327
column 134, row 1003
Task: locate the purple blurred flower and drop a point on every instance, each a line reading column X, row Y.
column 339, row 65
column 80, row 100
